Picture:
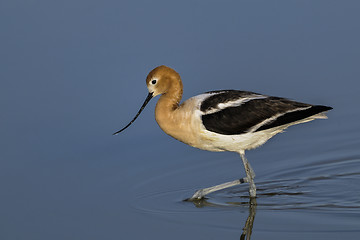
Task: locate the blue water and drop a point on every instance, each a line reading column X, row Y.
column 73, row 72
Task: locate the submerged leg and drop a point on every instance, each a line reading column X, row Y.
column 250, row 174
column 247, row 230
column 202, row 192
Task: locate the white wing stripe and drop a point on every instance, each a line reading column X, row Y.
column 274, row 117
column 234, row 103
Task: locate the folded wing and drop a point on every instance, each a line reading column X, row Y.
column 234, row 112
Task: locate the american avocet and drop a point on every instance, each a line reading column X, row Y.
column 225, row 120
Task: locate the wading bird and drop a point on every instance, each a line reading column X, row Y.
column 225, row 120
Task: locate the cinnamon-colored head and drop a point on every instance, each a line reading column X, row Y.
column 162, row 80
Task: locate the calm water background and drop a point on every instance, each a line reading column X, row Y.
column 73, row 72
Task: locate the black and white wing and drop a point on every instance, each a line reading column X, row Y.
column 232, row 112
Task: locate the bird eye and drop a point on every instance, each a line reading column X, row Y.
column 153, row 81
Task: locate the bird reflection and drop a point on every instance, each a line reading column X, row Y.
column 247, row 229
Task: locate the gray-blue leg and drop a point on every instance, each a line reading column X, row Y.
column 202, row 192
column 250, row 174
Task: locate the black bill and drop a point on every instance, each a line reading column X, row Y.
column 148, row 98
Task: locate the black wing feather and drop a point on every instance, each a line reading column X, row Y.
column 240, row 119
column 223, row 96
column 295, row 116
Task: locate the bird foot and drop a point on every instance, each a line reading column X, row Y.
column 199, row 194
